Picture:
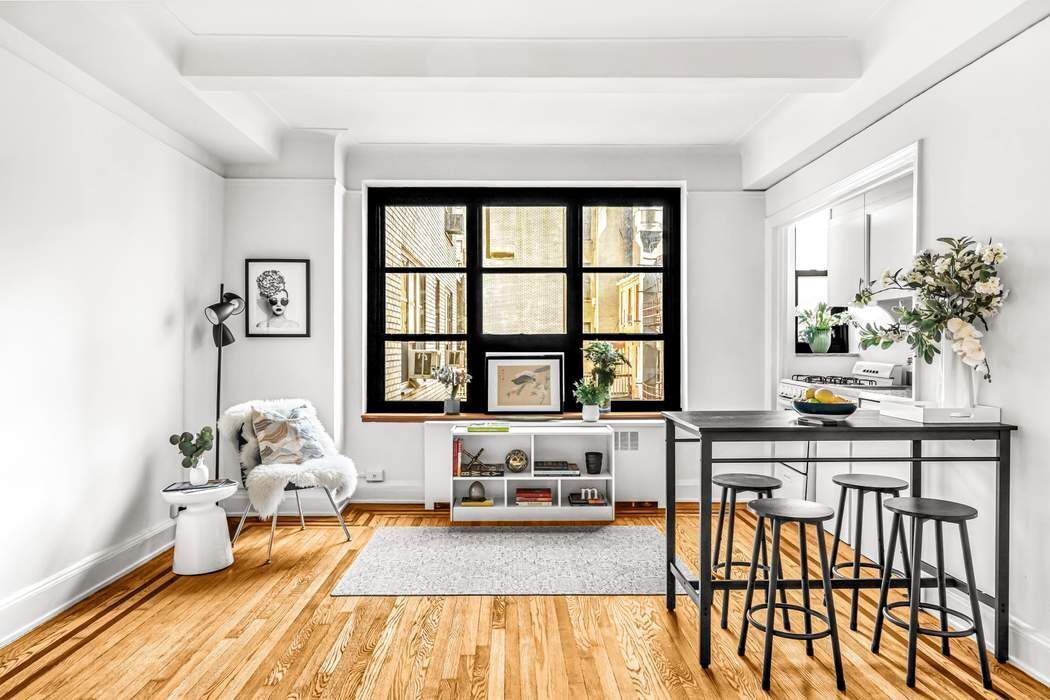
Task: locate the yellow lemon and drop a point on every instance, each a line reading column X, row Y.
column 810, row 393
column 824, row 395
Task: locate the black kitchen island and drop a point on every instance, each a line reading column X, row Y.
column 710, row 427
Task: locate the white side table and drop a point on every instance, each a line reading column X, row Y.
column 202, row 536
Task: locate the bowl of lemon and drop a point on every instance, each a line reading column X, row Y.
column 825, row 405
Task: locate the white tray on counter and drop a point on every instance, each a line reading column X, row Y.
column 920, row 412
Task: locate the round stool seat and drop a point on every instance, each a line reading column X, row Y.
column 931, row 509
column 870, row 482
column 747, row 482
column 792, row 509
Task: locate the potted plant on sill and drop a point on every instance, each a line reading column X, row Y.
column 590, row 395
column 453, row 378
column 192, row 449
column 604, row 359
column 816, row 325
column 955, row 290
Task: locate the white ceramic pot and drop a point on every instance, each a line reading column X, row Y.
column 957, row 379
column 591, row 413
column 198, row 474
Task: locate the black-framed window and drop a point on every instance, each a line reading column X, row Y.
column 457, row 273
column 811, row 278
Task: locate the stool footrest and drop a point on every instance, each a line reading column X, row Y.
column 719, row 567
column 930, row 607
column 808, row 612
column 862, row 565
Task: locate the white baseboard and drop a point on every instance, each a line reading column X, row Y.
column 33, row 605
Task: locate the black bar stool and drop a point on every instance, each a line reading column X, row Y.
column 920, row 510
column 732, row 484
column 864, row 484
column 780, row 511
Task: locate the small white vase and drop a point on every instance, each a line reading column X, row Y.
column 957, row 379
column 591, row 413
column 198, row 474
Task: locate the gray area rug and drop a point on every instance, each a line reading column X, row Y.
column 513, row 560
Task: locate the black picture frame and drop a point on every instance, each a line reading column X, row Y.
column 555, row 358
column 252, row 296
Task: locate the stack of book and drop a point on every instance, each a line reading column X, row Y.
column 469, row 502
column 550, row 467
column 577, row 499
column 482, row 470
column 488, row 426
column 187, row 487
column 534, row 497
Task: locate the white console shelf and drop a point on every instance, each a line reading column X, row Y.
column 550, row 442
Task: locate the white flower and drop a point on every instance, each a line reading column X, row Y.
column 993, row 254
column 914, row 277
column 991, row 287
column 887, row 277
column 962, row 330
column 942, row 265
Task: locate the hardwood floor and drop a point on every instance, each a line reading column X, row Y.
column 258, row 630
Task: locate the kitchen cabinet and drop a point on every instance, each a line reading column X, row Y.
column 847, row 250
column 891, row 227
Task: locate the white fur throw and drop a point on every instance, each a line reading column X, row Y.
column 265, row 483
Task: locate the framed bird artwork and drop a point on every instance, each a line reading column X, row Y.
column 524, row 383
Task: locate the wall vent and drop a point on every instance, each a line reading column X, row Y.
column 626, row 440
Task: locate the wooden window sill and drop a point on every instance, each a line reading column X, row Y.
column 424, row 417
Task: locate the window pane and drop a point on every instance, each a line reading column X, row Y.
column 614, row 302
column 408, row 366
column 524, row 236
column 811, row 242
column 812, row 291
column 425, row 236
column 515, row 303
column 431, row 302
column 643, row 379
column 623, row 236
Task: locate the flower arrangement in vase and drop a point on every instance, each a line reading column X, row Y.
column 192, row 448
column 453, row 378
column 816, row 324
column 956, row 289
column 604, row 359
column 591, row 395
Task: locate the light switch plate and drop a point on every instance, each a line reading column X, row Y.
column 374, row 475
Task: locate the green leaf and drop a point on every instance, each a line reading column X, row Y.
column 174, row 439
column 187, row 462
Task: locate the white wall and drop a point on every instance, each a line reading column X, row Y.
column 109, row 245
column 724, row 274
column 985, row 146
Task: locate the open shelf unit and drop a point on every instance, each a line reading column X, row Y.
column 567, row 443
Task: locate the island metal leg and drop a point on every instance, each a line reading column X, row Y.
column 705, row 552
column 1002, row 548
column 669, row 511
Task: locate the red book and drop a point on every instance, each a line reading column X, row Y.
column 533, row 498
column 456, row 447
column 533, row 492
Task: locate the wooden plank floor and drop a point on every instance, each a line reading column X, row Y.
column 267, row 631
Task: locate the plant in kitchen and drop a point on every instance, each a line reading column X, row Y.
column 956, row 290
column 816, row 324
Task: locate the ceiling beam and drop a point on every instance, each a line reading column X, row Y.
column 228, row 63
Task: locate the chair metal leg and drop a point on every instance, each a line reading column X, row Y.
column 904, row 546
column 804, row 567
column 975, row 607
column 299, row 505
column 771, row 594
column 858, row 534
column 273, row 529
column 942, row 596
column 337, row 513
column 240, row 525
column 760, row 538
column 838, row 527
column 718, row 529
column 879, row 534
column 825, row 573
column 914, row 599
column 729, row 557
column 884, row 589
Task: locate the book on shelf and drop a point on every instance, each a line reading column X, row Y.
column 576, row 499
column 555, row 468
column 457, row 449
column 488, row 426
column 534, row 504
column 468, row 502
column 187, row 487
column 523, row 499
column 483, row 470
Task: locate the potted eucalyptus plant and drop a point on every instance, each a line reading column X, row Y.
column 453, row 378
column 192, row 448
column 816, row 324
column 604, row 359
column 590, row 395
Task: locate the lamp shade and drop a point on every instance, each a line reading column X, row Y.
column 238, row 303
column 217, row 313
column 222, row 336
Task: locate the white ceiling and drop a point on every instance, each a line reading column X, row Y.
column 528, row 18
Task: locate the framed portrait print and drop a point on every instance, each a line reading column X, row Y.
column 524, row 383
column 277, row 292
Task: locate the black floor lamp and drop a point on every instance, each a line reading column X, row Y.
column 229, row 304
